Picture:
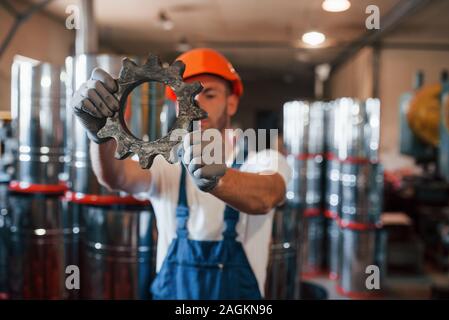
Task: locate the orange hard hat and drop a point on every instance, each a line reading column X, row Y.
column 208, row 61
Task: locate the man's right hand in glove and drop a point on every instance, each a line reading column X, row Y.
column 94, row 101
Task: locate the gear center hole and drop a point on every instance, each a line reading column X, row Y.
column 148, row 114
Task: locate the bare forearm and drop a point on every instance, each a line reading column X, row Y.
column 250, row 192
column 124, row 175
column 105, row 166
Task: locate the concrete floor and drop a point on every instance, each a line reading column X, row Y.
column 396, row 287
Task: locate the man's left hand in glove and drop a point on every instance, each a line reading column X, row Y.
column 206, row 168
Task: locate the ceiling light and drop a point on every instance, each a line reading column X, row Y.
column 183, row 45
column 165, row 22
column 336, row 5
column 313, row 38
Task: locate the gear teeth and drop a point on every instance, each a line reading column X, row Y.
column 131, row 75
column 122, row 152
column 128, row 63
column 153, row 61
column 179, row 67
column 195, row 88
column 146, row 162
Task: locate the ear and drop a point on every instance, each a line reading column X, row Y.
column 233, row 103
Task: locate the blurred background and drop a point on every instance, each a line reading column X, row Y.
column 361, row 110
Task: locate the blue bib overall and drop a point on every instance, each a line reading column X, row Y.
column 207, row 270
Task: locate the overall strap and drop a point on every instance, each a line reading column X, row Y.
column 182, row 209
column 231, row 215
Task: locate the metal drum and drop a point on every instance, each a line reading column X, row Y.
column 41, row 237
column 4, row 225
column 312, row 241
column 332, row 195
column 296, row 127
column 361, row 251
column 38, row 105
column 118, row 256
column 362, row 192
column 6, row 164
column 333, row 256
column 295, row 135
column 313, row 222
column 296, row 188
column 314, row 182
column 79, row 68
column 283, row 266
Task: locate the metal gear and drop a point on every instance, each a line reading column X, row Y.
column 131, row 76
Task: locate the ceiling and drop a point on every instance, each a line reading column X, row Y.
column 261, row 37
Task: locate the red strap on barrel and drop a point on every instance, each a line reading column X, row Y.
column 357, row 226
column 351, row 160
column 312, row 212
column 307, row 156
column 103, row 200
column 24, row 187
column 358, row 295
column 331, row 214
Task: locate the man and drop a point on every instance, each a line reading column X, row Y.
column 214, row 222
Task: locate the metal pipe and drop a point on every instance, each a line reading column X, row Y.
column 86, row 41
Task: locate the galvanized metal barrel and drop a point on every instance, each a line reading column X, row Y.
column 296, row 188
column 38, row 108
column 295, row 135
column 79, row 69
column 4, row 226
column 362, row 262
column 332, row 198
column 296, row 127
column 362, row 192
column 313, row 222
column 118, row 252
column 283, row 266
column 312, row 246
column 41, row 237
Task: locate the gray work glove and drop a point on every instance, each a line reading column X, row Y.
column 206, row 171
column 94, row 101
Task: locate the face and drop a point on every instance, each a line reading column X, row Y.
column 216, row 100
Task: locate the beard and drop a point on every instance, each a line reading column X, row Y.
column 220, row 123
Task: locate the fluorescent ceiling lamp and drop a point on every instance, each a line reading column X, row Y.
column 313, row 38
column 183, row 45
column 165, row 22
column 336, row 5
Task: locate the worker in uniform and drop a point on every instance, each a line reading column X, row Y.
column 214, row 220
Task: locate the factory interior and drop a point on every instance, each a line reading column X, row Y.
column 355, row 92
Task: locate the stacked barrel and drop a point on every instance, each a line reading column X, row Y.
column 332, row 188
column 336, row 187
column 304, row 142
column 282, row 276
column 288, row 223
column 118, row 230
column 312, row 240
column 361, row 243
column 41, row 236
column 6, row 170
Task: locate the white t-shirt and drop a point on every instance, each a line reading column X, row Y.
column 206, row 219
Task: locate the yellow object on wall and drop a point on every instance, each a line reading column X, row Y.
column 424, row 114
